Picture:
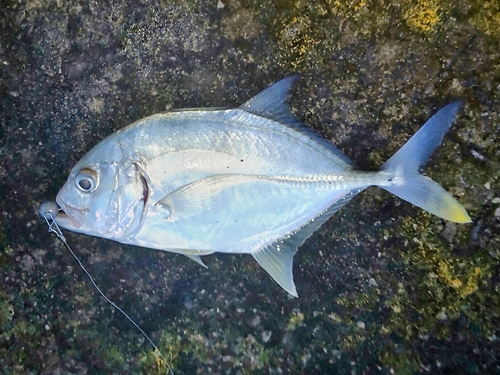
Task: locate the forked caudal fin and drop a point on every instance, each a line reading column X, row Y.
column 416, row 188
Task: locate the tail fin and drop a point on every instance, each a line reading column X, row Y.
column 420, row 190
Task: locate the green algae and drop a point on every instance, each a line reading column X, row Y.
column 114, row 357
column 150, row 362
column 486, row 17
column 247, row 353
column 6, row 312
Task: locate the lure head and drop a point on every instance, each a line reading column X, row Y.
column 104, row 195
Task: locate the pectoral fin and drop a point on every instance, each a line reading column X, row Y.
column 194, row 198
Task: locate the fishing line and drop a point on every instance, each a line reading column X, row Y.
column 46, row 210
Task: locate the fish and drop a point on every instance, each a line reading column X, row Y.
column 251, row 180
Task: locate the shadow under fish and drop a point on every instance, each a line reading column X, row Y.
column 252, row 180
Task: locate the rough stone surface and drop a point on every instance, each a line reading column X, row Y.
column 383, row 287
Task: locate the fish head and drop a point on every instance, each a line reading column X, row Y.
column 103, row 198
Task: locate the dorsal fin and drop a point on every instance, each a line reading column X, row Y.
column 271, row 104
column 277, row 258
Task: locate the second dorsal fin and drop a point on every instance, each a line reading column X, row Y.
column 271, row 103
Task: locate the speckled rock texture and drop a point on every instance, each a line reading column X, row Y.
column 384, row 288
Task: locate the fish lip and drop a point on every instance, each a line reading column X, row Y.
column 71, row 217
column 64, row 221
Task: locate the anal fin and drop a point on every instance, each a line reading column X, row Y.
column 277, row 258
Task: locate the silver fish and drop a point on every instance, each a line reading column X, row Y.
column 251, row 180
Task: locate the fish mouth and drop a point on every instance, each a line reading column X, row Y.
column 70, row 217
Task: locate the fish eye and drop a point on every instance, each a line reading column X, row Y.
column 86, row 180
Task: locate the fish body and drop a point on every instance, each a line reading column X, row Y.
column 249, row 180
